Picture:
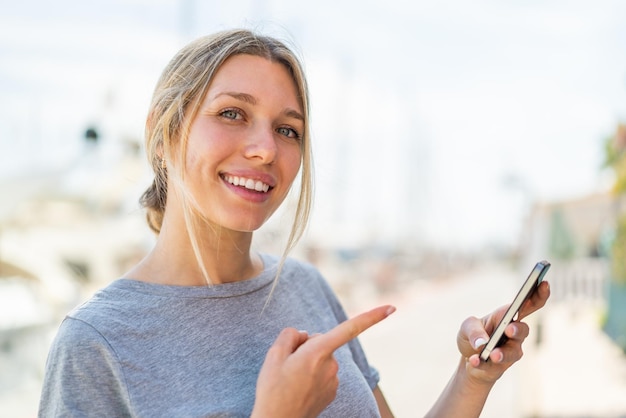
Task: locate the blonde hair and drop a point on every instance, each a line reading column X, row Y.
column 175, row 103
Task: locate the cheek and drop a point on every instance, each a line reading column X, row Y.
column 191, row 159
column 293, row 163
column 191, row 164
column 202, row 152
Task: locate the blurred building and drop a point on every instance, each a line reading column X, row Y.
column 64, row 232
column 576, row 236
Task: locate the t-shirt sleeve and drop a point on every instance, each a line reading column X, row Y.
column 83, row 375
column 370, row 373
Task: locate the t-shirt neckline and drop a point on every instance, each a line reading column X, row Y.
column 223, row 290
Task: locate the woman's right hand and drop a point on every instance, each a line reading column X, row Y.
column 299, row 375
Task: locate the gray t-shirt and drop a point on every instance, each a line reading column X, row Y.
column 146, row 350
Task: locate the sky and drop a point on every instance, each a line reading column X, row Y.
column 442, row 122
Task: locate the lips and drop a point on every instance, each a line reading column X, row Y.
column 247, row 183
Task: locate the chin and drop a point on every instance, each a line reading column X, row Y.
column 239, row 226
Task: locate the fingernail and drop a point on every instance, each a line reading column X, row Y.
column 479, row 342
column 390, row 310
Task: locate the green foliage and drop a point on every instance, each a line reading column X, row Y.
column 618, row 252
column 615, row 159
column 611, row 154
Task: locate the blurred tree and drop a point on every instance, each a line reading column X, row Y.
column 615, row 325
column 618, row 251
column 615, row 159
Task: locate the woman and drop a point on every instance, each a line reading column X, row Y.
column 203, row 326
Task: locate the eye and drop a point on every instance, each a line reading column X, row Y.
column 288, row 132
column 231, row 114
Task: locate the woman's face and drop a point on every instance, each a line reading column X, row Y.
column 243, row 150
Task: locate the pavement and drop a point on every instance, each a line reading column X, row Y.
column 570, row 369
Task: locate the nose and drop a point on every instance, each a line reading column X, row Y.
column 262, row 145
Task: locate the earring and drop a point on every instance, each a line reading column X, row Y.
column 163, row 166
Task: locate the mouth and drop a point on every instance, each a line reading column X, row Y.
column 250, row 184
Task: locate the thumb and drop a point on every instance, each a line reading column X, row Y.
column 287, row 342
column 478, row 341
column 473, row 332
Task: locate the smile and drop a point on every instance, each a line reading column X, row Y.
column 249, row 184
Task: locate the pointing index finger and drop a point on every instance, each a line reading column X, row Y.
column 350, row 329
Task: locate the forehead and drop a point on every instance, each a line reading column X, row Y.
column 255, row 75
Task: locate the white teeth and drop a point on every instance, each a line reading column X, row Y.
column 259, row 186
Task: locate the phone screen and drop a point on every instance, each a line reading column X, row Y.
column 497, row 337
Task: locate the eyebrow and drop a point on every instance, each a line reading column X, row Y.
column 244, row 97
column 294, row 114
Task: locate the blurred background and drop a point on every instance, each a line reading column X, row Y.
column 456, row 143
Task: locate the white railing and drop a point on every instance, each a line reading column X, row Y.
column 582, row 279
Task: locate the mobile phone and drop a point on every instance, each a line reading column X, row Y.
column 528, row 288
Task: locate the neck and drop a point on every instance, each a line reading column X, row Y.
column 224, row 257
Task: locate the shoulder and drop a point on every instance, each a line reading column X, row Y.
column 106, row 307
column 298, row 272
column 92, row 328
column 83, row 373
column 288, row 265
column 79, row 350
column 77, row 339
column 293, row 265
column 303, row 278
